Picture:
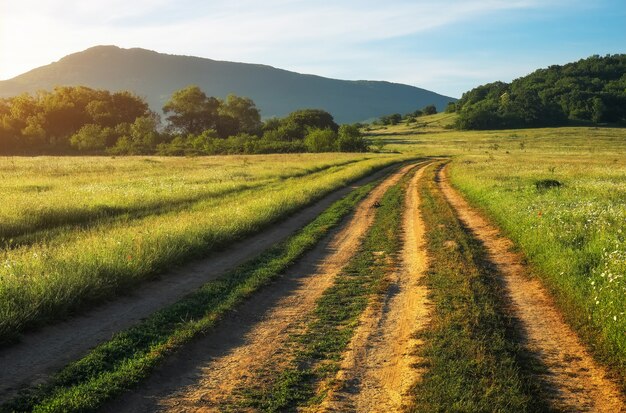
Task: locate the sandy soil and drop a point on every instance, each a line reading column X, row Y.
column 577, row 382
column 41, row 353
column 377, row 371
column 208, row 374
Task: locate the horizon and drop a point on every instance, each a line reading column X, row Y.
column 412, row 43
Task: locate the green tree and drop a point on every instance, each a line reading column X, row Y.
column 91, row 138
column 245, row 112
column 350, row 139
column 141, row 137
column 429, row 110
column 190, row 111
column 321, row 140
column 301, row 121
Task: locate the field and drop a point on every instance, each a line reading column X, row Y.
column 573, row 233
column 77, row 232
column 481, row 271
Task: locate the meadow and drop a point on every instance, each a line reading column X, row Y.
column 560, row 195
column 76, row 231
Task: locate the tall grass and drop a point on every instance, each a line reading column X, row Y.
column 38, row 194
column 46, row 280
column 574, row 233
column 129, row 357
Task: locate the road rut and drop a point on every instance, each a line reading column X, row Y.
column 378, row 369
column 206, row 376
column 577, row 382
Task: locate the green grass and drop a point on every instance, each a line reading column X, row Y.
column 75, row 266
column 333, row 323
column 130, row 356
column 471, row 353
column 574, row 235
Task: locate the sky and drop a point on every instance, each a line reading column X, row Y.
column 448, row 47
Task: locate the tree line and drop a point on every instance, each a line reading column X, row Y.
column 591, row 91
column 82, row 120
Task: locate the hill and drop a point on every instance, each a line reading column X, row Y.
column 591, row 90
column 276, row 92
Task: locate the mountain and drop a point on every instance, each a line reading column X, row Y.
column 276, row 92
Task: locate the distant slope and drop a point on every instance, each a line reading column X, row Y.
column 591, row 90
column 277, row 92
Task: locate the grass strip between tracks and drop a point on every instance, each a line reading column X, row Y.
column 130, row 356
column 335, row 318
column 471, row 353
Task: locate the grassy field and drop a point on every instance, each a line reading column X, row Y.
column 572, row 230
column 80, row 230
column 129, row 357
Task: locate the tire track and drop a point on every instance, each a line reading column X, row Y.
column 378, row 369
column 42, row 353
column 257, row 334
column 577, row 383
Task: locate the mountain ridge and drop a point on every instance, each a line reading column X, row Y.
column 276, row 91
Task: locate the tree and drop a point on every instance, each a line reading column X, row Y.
column 191, row 111
column 244, row 111
column 350, row 139
column 305, row 119
column 393, row 119
column 321, row 140
column 91, row 137
column 141, row 137
column 429, row 110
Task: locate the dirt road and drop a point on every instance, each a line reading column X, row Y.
column 40, row 354
column 206, row 376
column 577, row 382
column 378, row 369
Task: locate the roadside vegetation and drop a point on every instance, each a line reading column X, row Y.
column 130, row 356
column 85, row 260
column 472, row 355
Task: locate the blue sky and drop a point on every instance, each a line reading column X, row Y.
column 448, row 47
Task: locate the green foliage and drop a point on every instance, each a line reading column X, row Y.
column 244, row 111
column 91, row 137
column 429, row 110
column 306, row 119
column 351, row 140
column 74, row 119
column 141, row 138
column 590, row 90
column 393, row 119
column 321, row 140
column 191, row 111
column 56, row 122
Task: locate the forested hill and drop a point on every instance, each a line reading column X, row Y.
column 276, row 92
column 591, row 90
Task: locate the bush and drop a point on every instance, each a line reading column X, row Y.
column 351, row 140
column 321, row 140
